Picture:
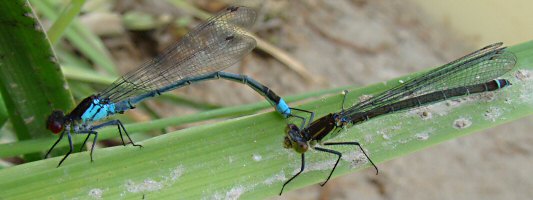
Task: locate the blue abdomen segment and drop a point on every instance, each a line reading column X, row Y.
column 283, row 108
column 98, row 110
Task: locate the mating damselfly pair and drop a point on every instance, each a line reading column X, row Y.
column 222, row 41
column 199, row 56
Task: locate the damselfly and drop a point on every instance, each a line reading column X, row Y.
column 200, row 55
column 470, row 74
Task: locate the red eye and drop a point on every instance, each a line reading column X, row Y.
column 55, row 127
column 55, row 121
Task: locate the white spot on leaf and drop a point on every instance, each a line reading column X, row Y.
column 96, row 193
column 462, row 123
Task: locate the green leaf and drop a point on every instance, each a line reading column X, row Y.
column 30, row 79
column 84, row 40
column 244, row 157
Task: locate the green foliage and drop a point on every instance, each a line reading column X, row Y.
column 31, row 82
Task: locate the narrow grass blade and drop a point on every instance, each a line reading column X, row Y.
column 69, row 13
column 86, row 42
column 30, row 79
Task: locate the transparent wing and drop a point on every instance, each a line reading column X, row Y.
column 212, row 46
column 480, row 66
column 477, row 71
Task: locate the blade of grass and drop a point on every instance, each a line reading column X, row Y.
column 63, row 21
column 243, row 158
column 68, row 58
column 85, row 75
column 30, row 78
column 86, row 42
column 3, row 113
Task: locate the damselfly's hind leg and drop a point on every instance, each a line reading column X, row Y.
column 361, row 148
column 94, row 142
column 92, row 131
column 339, row 155
column 126, row 132
column 71, row 148
column 95, row 139
column 120, row 127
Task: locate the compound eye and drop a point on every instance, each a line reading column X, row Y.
column 55, row 121
column 287, row 143
column 55, row 126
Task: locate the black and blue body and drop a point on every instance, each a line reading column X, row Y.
column 200, row 55
column 102, row 108
column 470, row 74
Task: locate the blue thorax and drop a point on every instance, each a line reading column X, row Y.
column 98, row 110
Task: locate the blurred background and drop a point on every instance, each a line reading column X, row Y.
column 320, row 44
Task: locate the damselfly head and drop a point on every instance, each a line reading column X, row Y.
column 294, row 139
column 56, row 121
